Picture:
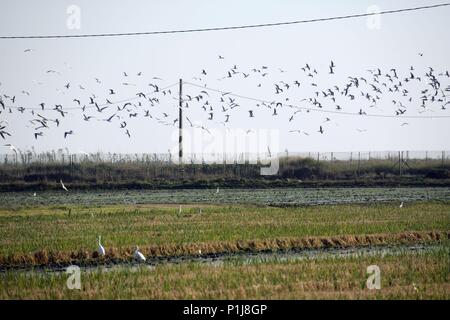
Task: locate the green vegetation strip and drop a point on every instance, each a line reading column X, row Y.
column 148, row 172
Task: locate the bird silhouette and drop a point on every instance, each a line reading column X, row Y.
column 68, row 133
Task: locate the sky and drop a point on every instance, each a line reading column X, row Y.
column 354, row 45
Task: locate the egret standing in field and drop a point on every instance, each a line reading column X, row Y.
column 138, row 255
column 101, row 250
column 401, row 205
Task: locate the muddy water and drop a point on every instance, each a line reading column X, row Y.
column 218, row 260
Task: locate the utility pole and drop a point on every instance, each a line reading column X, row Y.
column 180, row 123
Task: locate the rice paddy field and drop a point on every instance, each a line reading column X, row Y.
column 275, row 196
column 403, row 276
column 234, row 244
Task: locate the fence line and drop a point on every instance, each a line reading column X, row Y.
column 63, row 157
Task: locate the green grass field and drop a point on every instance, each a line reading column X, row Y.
column 404, row 276
column 27, row 230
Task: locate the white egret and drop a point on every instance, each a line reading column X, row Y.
column 401, row 205
column 101, row 250
column 63, row 186
column 138, row 255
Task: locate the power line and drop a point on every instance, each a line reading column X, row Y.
column 229, row 27
column 317, row 110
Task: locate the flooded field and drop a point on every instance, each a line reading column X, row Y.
column 407, row 272
column 276, row 197
column 250, row 257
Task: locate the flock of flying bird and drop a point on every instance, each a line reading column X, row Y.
column 367, row 91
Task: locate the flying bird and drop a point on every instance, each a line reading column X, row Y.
column 110, row 118
column 331, row 67
column 62, row 185
column 67, row 133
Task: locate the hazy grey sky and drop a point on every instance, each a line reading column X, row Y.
column 351, row 44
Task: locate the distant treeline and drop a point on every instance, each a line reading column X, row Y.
column 292, row 172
